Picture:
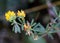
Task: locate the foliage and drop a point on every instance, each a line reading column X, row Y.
column 36, row 30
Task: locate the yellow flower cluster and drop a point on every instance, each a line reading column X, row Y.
column 9, row 15
column 22, row 13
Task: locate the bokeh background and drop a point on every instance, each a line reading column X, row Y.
column 40, row 10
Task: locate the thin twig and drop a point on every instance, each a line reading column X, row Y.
column 40, row 7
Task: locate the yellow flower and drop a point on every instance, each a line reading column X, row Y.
column 21, row 14
column 10, row 15
column 27, row 26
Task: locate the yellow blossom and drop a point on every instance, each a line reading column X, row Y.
column 27, row 27
column 22, row 13
column 10, row 15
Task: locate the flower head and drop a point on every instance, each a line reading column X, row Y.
column 10, row 15
column 21, row 14
column 27, row 28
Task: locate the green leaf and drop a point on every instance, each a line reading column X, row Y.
column 33, row 24
column 13, row 28
column 54, row 31
column 58, row 25
column 50, row 35
column 12, row 23
column 20, row 20
column 32, row 21
column 23, row 21
column 22, row 27
column 39, row 27
column 16, row 28
column 59, row 13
